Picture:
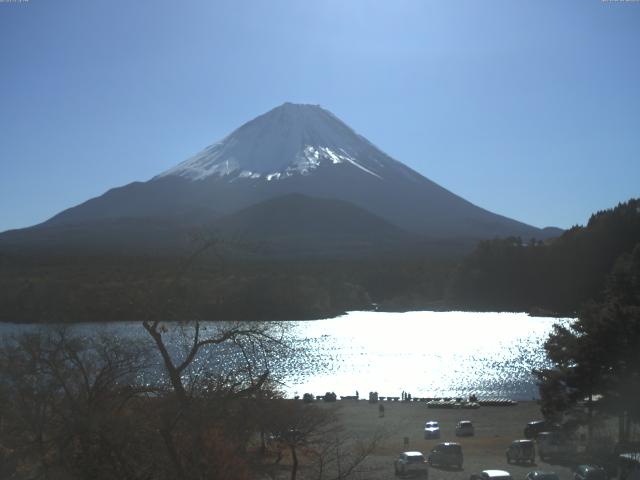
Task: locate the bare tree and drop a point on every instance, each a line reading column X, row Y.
column 253, row 341
column 317, row 445
column 242, row 353
column 70, row 407
column 342, row 456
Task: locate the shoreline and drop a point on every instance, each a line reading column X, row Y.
column 548, row 315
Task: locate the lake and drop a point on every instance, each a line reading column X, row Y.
column 427, row 354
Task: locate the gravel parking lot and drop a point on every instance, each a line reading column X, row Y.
column 495, row 429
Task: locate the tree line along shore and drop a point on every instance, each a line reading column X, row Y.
column 554, row 278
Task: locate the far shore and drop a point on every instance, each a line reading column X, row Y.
column 431, row 308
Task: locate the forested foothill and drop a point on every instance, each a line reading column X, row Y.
column 231, row 280
column 108, row 288
column 554, row 277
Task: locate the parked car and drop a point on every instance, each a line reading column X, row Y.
column 589, row 472
column 554, row 445
column 287, row 436
column 537, row 426
column 491, row 475
column 541, row 475
column 411, row 463
column 521, row 451
column 448, row 454
column 431, row 429
column 629, row 466
column 464, row 428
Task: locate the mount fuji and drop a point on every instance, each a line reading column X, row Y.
column 300, row 153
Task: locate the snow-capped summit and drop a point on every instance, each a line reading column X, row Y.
column 292, row 139
column 297, row 149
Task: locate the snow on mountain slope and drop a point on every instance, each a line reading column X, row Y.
column 289, row 140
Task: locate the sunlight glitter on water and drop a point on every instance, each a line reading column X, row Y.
column 428, row 354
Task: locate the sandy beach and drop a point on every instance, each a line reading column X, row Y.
column 495, row 429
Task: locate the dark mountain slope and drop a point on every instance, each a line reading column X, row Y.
column 296, row 224
column 290, row 225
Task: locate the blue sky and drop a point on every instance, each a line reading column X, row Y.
column 530, row 109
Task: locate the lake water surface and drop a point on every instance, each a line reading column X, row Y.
column 428, row 354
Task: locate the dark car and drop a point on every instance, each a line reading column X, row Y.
column 521, row 451
column 555, row 445
column 464, row 428
column 589, row 472
column 448, row 454
column 537, row 426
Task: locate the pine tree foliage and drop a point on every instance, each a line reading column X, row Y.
column 597, row 357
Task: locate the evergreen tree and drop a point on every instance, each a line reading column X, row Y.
column 598, row 355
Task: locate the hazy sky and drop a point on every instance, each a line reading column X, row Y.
column 530, row 109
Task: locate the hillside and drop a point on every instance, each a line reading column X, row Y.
column 556, row 276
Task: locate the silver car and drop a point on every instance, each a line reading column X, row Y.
column 411, row 463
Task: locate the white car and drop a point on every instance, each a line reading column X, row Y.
column 411, row 463
column 491, row 475
column 431, row 430
column 464, row 428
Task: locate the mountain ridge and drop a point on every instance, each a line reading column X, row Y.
column 297, row 149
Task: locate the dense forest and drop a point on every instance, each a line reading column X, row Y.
column 554, row 277
column 557, row 276
column 64, row 289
